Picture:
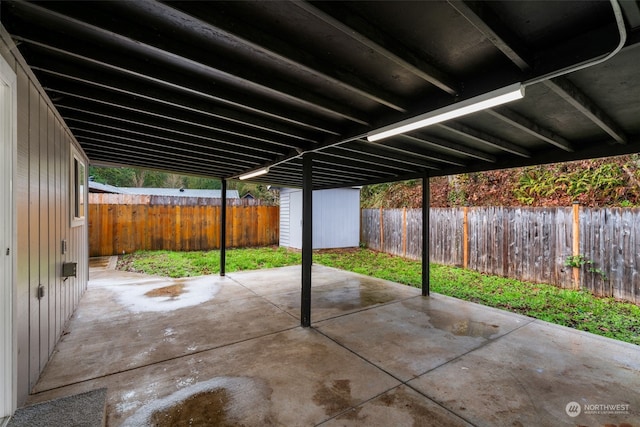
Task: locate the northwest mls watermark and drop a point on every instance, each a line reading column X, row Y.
column 573, row 409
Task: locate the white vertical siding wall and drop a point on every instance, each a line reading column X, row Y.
column 295, row 219
column 8, row 160
column 285, row 222
column 336, row 218
column 43, row 221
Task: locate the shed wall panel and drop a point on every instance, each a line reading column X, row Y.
column 285, row 219
column 336, row 218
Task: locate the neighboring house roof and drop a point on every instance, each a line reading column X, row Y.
column 96, row 187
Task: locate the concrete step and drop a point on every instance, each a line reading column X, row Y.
column 80, row 410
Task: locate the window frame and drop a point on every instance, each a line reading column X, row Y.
column 77, row 189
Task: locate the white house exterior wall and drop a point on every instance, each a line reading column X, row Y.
column 43, row 209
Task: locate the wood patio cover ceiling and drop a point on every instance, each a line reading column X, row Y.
column 223, row 88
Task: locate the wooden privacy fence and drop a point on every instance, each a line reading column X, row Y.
column 121, row 223
column 531, row 244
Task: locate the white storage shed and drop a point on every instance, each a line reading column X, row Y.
column 336, row 218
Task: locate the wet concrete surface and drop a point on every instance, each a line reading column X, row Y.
column 230, row 351
column 532, row 376
column 420, row 334
column 400, row 406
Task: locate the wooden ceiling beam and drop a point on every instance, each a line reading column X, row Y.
column 581, row 102
column 394, row 52
column 526, row 125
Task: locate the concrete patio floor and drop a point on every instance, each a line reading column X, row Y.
column 230, row 351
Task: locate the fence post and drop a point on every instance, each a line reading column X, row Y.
column 223, row 227
column 465, row 237
column 381, row 230
column 404, row 232
column 576, row 243
column 361, row 241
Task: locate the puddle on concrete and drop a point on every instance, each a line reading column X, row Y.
column 171, row 291
column 206, row 408
column 400, row 399
column 351, row 297
column 222, row 401
column 336, row 398
column 460, row 326
column 166, row 294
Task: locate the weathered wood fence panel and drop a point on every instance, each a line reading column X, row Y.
column 530, row 244
column 393, row 237
column 402, row 233
column 445, row 245
column 126, row 223
column 414, row 234
column 611, row 239
column 370, row 228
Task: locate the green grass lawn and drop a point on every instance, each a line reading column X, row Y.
column 577, row 309
column 198, row 263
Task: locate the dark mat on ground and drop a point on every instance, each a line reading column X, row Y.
column 81, row 410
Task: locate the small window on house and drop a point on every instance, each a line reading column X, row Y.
column 77, row 191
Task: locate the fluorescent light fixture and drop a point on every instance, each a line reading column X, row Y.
column 459, row 109
column 254, row 173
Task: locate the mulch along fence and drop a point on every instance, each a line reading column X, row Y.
column 530, row 244
column 122, row 223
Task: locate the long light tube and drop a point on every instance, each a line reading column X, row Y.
column 254, row 173
column 462, row 108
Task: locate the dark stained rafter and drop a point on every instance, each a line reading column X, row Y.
column 340, row 167
column 378, row 180
column 325, row 172
column 126, row 158
column 386, row 48
column 239, row 77
column 526, row 125
column 485, row 138
column 169, row 136
column 374, row 162
column 410, row 158
column 574, row 96
column 485, row 20
column 264, row 44
column 632, row 13
column 220, row 89
column 68, row 84
column 189, row 129
column 155, row 115
column 223, row 96
column 151, row 151
column 443, row 144
column 180, row 146
column 361, row 164
column 577, row 50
